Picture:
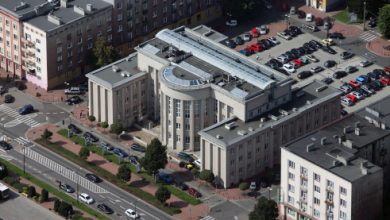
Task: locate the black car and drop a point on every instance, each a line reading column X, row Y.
column 308, row 46
column 301, row 14
column 330, row 63
column 316, row 44
column 328, row 49
column 290, row 55
column 270, row 65
column 179, row 184
column 90, row 136
column 336, row 35
column 374, row 86
column 380, row 72
column 263, row 182
column 366, row 78
column 19, row 85
column 291, row 33
column 293, row 55
column 8, row 98
column 363, row 92
column 75, row 99
column 84, row 83
column 296, row 51
column 370, row 86
column 83, row 88
column 372, row 23
column 305, row 50
column 230, row 43
column 133, row 159
column 304, row 74
column 5, row 145
column 339, row 74
column 105, row 208
column 107, row 145
column 350, row 86
column 74, row 128
column 295, row 29
column 270, row 43
column 276, row 62
column 92, row 177
column 265, row 42
column 343, row 112
column 138, row 147
column 327, row 80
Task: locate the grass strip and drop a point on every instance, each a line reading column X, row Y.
column 98, row 150
column 53, row 190
column 344, row 17
column 151, row 199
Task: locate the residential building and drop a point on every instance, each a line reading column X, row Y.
column 325, row 5
column 323, row 179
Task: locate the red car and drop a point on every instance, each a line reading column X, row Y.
column 298, row 62
column 193, row 192
column 219, row 29
column 385, row 81
column 354, row 83
column 351, row 97
column 250, row 50
column 255, row 33
column 256, row 47
column 284, row 7
column 387, row 69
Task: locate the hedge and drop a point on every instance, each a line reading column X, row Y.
column 9, row 180
column 19, row 186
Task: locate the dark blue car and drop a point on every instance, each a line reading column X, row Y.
column 246, row 53
column 165, row 177
column 119, row 152
column 367, row 78
column 373, row 75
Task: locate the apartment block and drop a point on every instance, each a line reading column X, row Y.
column 323, row 178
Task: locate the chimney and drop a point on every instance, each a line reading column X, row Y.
column 323, row 141
column 335, row 163
column 341, row 139
column 357, row 131
column 64, row 3
column 89, row 7
column 341, row 160
column 241, row 132
column 295, row 109
column 383, row 126
column 357, row 124
column 310, row 147
column 346, row 129
column 349, row 144
column 263, row 119
column 363, row 167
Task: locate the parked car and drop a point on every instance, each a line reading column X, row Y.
column 316, row 44
column 231, row 23
column 291, row 33
column 138, row 147
column 5, row 145
column 387, row 69
column 329, row 50
column 253, row 186
column 291, row 56
column 304, row 50
column 179, row 184
column 239, row 40
column 327, row 42
column 313, row 28
column 263, row 182
column 244, row 52
column 346, row 101
column 363, row 92
column 344, row 89
column 247, row 37
column 343, row 112
column 263, row 29
column 327, row 80
column 373, row 75
column 66, row 188
column 351, row 69
column 284, row 35
column 330, row 63
column 73, row 100
column 119, row 152
column 380, row 72
column 372, row 23
column 193, row 192
column 256, row 47
column 26, row 109
column 346, row 55
column 198, row 162
column 301, row 14
column 316, row 69
column 92, row 177
column 230, row 43
column 309, row 17
column 267, row 5
column 19, row 85
column 319, row 21
column 368, row 88
column 255, row 33
column 297, row 62
column 295, row 29
column 361, row 81
column 367, row 78
column 284, row 7
column 351, row 97
column 304, row 74
column 8, row 98
column 274, row 40
column 83, row 88
column 276, row 62
column 377, row 83
column 86, row 198
column 133, row 159
column 354, row 82
column 130, row 213
column 105, row 208
column 385, row 81
column 312, row 58
column 336, row 35
column 165, row 177
column 107, row 145
column 185, row 156
column 326, row 25
column 357, row 95
column 365, row 63
column 72, row 90
column 339, row 74
column 289, row 68
column 90, row 136
column 74, row 128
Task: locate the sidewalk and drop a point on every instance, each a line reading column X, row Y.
column 376, row 46
column 196, row 211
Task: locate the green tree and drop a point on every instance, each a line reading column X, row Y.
column 65, row 208
column 31, row 191
column 384, row 22
column 181, row 165
column 124, row 173
column 57, row 205
column 103, row 53
column 104, row 125
column 265, row 209
column 84, row 153
column 163, row 194
column 194, row 171
column 244, row 186
column 91, row 118
column 116, row 128
column 46, row 135
column 242, row 9
column 271, row 174
column 155, row 157
column 357, row 6
column 207, row 175
column 45, row 195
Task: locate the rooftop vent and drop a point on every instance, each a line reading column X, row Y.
column 238, row 83
column 295, row 109
column 357, row 124
column 341, row 138
column 357, row 131
column 308, row 102
column 319, row 89
column 181, row 74
column 229, row 126
column 215, row 75
column 299, row 94
column 323, row 141
column 221, row 84
column 115, row 68
column 89, row 7
column 78, row 10
column 336, row 163
column 363, row 167
column 241, row 132
column 128, row 59
column 263, row 119
column 218, row 136
column 124, row 74
column 273, row 117
column 251, row 129
column 260, row 125
column 347, row 129
column 64, row 3
column 310, row 147
column 23, row 5
column 349, row 144
column 284, row 112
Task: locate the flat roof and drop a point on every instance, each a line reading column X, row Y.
column 210, row 33
column 9, row 5
column 325, row 155
column 66, row 15
column 106, row 75
column 228, row 137
column 378, row 111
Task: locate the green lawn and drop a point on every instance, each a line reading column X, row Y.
column 53, row 190
column 344, row 17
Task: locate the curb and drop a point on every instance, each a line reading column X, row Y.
column 376, row 52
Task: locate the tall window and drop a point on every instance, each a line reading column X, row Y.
column 215, row 105
column 197, row 105
column 177, row 103
column 187, row 105
column 205, row 106
column 169, row 106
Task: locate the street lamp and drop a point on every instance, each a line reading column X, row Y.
column 77, row 183
column 135, row 204
column 286, row 18
column 24, row 157
column 269, row 192
column 67, row 85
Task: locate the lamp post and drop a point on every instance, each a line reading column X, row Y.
column 286, row 19
column 135, row 204
column 67, row 85
column 269, row 192
column 77, row 183
column 364, row 17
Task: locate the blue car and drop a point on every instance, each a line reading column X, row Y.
column 165, row 177
column 361, row 81
column 119, row 152
column 246, row 53
column 368, row 79
column 373, row 75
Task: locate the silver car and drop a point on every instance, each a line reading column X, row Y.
column 273, row 40
column 247, row 37
column 346, row 101
column 350, row 69
column 316, row 69
column 365, row 63
column 283, row 34
column 263, row 29
column 346, row 55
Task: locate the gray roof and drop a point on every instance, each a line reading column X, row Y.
column 9, row 6
column 210, row 33
column 325, row 155
column 228, row 137
column 107, row 77
column 378, row 111
column 66, row 15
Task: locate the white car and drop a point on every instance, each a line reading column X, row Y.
column 282, row 59
column 263, row 29
column 312, row 58
column 85, row 198
column 232, row 23
column 273, row 40
column 309, row 17
column 289, row 68
column 197, row 162
column 316, row 69
column 357, row 95
column 346, row 101
column 284, row 35
column 131, row 214
column 253, row 186
column 247, row 37
column 365, row 63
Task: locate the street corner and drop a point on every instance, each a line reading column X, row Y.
column 379, row 47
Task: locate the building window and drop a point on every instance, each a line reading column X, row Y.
column 266, row 146
column 208, row 13
column 291, row 188
column 69, row 45
column 330, row 184
column 316, row 213
column 89, row 46
column 187, row 109
column 119, row 5
column 343, row 203
column 178, row 126
column 240, row 159
column 215, row 118
column 291, row 176
column 232, row 174
column 266, row 158
column 316, row 189
column 177, row 104
column 215, row 105
column 187, row 139
column 258, row 162
column 197, row 108
column 343, row 190
column 249, row 155
column 169, row 106
column 80, row 59
column 59, row 58
column 291, row 164
column 231, row 109
column 232, row 151
column 343, row 215
column 291, row 199
column 249, row 166
column 178, row 138
column 316, row 201
column 80, row 40
column 291, row 212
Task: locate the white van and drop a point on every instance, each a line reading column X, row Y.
column 292, row 10
column 309, row 17
column 326, row 25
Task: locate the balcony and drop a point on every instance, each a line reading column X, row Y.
column 129, row 18
column 145, row 21
column 304, row 188
column 24, row 49
column 31, row 62
column 24, row 58
column 303, row 199
column 329, row 189
column 31, row 53
column 303, row 176
column 329, row 202
column 144, row 11
column 27, row 41
column 329, row 213
column 129, row 6
column 174, row 9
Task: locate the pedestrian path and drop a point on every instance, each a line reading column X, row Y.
column 369, row 35
column 214, row 200
column 6, row 111
column 68, row 174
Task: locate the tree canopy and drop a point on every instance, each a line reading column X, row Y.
column 241, row 9
column 207, row 175
column 357, row 6
column 155, row 156
column 84, row 153
column 265, row 209
column 103, row 53
column 384, row 22
column 116, row 128
column 244, row 186
column 163, row 194
column 124, row 173
column 46, row 135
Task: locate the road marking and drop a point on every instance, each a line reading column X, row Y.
column 102, row 196
column 122, row 207
column 112, row 201
column 62, row 112
column 54, row 113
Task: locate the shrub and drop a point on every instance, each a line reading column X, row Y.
column 64, row 209
column 31, row 192
column 25, row 190
column 45, row 195
column 57, row 205
column 40, row 199
column 20, row 186
column 9, row 180
column 80, row 217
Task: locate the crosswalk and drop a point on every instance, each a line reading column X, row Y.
column 369, row 35
column 370, row 55
column 208, row 218
column 6, row 111
column 214, row 200
column 21, row 140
